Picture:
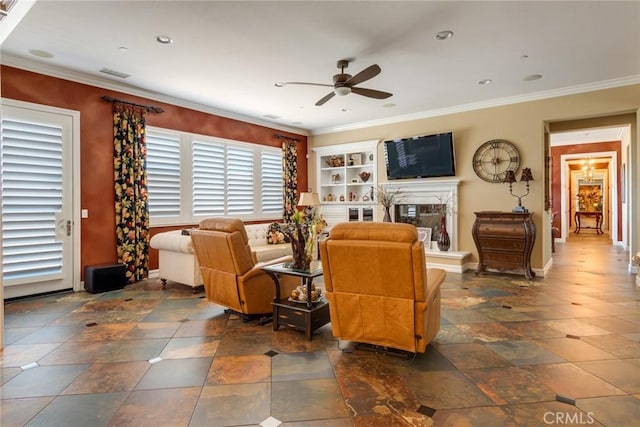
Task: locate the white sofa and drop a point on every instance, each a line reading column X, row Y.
column 177, row 261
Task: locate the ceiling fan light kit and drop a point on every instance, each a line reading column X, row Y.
column 342, row 90
column 345, row 84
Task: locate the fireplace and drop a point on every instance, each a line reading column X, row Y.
column 420, row 203
column 427, row 215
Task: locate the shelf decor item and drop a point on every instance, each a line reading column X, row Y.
column 335, row 161
column 364, row 176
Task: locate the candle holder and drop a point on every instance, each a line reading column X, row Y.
column 511, row 178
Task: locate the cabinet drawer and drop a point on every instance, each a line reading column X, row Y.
column 501, row 229
column 512, row 258
column 506, row 244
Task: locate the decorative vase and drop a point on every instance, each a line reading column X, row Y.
column 301, row 249
column 444, row 242
column 387, row 214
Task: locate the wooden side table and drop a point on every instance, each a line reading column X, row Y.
column 504, row 241
column 302, row 316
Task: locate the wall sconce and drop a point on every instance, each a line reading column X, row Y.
column 511, row 178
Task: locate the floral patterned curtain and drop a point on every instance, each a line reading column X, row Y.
column 290, row 176
column 130, row 174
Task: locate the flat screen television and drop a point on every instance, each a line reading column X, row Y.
column 426, row 156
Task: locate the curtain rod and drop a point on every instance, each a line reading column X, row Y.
column 147, row 108
column 290, row 138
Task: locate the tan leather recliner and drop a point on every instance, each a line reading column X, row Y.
column 231, row 276
column 379, row 289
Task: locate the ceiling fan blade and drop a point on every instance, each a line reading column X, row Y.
column 371, row 93
column 306, row 83
column 325, row 99
column 364, row 75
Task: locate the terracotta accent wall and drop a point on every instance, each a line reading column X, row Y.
column 98, row 242
column 556, row 189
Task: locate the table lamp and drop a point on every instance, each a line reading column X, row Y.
column 511, row 178
column 309, row 199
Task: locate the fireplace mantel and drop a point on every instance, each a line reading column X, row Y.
column 431, row 192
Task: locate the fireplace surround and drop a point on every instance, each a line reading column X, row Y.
column 421, row 203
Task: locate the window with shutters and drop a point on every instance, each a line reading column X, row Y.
column 163, row 174
column 192, row 177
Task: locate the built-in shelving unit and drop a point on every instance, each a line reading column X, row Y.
column 347, row 179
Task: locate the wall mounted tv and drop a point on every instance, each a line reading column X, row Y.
column 420, row 156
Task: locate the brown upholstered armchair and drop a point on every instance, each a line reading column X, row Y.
column 230, row 274
column 379, row 289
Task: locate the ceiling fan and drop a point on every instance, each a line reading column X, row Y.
column 344, row 84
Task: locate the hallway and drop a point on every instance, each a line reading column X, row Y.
column 510, row 352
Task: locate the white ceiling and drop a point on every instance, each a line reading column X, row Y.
column 226, row 56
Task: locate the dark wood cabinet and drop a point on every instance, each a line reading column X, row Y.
column 504, row 241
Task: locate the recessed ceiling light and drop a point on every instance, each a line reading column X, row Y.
column 532, row 77
column 164, row 39
column 485, row 82
column 41, row 53
column 279, row 84
column 443, row 35
column 389, row 105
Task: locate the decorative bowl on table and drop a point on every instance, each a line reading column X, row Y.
column 299, row 294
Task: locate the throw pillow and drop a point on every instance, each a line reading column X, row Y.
column 275, row 235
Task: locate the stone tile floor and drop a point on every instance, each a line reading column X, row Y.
column 562, row 350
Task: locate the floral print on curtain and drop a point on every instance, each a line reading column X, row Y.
column 131, row 201
column 290, row 176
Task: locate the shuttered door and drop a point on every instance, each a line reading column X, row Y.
column 37, row 241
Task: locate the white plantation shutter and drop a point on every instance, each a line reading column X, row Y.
column 208, row 178
column 192, row 176
column 163, row 174
column 271, row 174
column 240, row 186
column 31, row 194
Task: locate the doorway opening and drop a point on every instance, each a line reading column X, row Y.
column 588, row 185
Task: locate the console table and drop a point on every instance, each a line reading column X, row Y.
column 504, row 241
column 596, row 215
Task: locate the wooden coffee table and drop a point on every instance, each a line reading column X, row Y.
column 305, row 316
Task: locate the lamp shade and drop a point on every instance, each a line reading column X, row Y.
column 309, row 199
column 510, row 177
column 526, row 175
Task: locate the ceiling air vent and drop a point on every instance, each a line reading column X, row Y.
column 115, row 73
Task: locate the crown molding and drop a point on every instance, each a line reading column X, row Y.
column 498, row 102
column 83, row 78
